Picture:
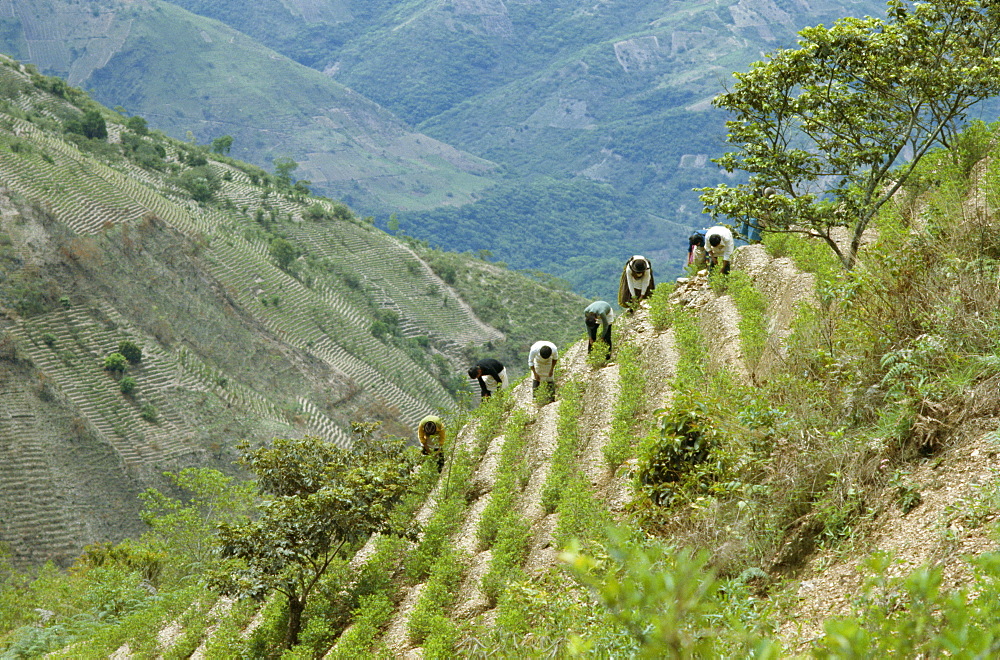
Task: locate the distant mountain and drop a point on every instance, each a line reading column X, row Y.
column 259, row 312
column 190, row 75
column 596, row 100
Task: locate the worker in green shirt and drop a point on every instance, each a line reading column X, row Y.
column 599, row 313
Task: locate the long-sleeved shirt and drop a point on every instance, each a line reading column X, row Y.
column 633, row 285
column 724, row 250
column 494, row 376
column 434, row 442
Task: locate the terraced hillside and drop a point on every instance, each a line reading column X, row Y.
column 260, row 311
column 713, row 427
column 522, row 480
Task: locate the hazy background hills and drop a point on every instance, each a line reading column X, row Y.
column 445, row 112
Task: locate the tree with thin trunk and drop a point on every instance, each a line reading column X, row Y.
column 320, row 502
column 833, row 128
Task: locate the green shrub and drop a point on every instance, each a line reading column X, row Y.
column 506, row 489
column 568, row 441
column 438, row 595
column 668, row 603
column 581, row 515
column 367, row 622
column 131, row 351
column 148, row 412
column 660, row 308
column 491, row 414
column 127, row 385
column 915, row 616
column 752, row 308
column 672, row 457
column 509, row 552
column 115, row 362
column 690, row 344
column 443, row 636
column 599, row 354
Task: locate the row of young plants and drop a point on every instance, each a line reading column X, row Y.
column 434, row 561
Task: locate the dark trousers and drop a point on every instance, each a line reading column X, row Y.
column 605, row 336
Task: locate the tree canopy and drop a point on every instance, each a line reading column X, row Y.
column 319, row 503
column 836, row 125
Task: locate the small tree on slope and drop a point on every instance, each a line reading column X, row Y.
column 843, row 111
column 320, row 502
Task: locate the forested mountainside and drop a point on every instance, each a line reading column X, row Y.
column 257, row 311
column 794, row 461
column 562, row 108
column 190, row 75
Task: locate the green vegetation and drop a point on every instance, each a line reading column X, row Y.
column 130, row 350
column 115, row 363
column 497, row 296
column 737, row 487
column 844, row 106
column 626, row 419
column 305, row 527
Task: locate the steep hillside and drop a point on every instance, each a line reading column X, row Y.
column 259, row 311
column 795, row 460
column 188, row 74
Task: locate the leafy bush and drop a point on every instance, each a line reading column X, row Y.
column 137, row 125
column 367, row 622
column 914, row 616
column 127, row 385
column 568, row 443
column 668, row 603
column 200, row 183
column 439, row 594
column 90, row 124
column 510, row 472
column 149, row 413
column 626, row 416
column 672, row 457
column 510, row 549
column 115, row 362
column 130, row 350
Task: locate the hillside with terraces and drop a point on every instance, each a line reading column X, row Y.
column 137, row 237
column 764, row 467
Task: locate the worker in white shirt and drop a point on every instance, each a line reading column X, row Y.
column 542, row 359
column 719, row 247
column 636, row 281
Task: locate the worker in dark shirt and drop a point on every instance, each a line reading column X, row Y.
column 490, row 374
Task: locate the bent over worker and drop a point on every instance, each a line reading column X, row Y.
column 491, row 376
column 719, row 247
column 432, row 438
column 542, row 359
column 598, row 313
column 696, row 248
column 636, row 281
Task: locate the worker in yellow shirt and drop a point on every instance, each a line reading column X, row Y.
column 431, row 434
